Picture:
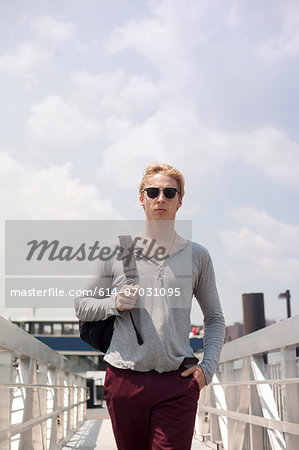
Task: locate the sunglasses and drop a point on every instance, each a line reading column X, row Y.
column 153, row 192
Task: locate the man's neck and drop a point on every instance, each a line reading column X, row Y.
column 160, row 230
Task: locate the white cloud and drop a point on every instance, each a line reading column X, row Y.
column 145, row 36
column 233, row 17
column 26, row 59
column 55, row 30
column 286, row 44
column 279, row 235
column 169, row 35
column 125, row 153
column 272, row 152
column 30, row 57
column 55, row 120
column 262, row 247
column 284, row 270
column 162, row 137
column 175, row 133
column 246, row 242
column 50, row 193
column 115, row 92
column 167, row 30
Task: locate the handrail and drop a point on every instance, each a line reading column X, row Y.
column 29, row 424
column 251, row 404
column 287, row 427
column 19, row 342
column 40, row 386
column 268, row 339
column 256, row 382
column 43, row 397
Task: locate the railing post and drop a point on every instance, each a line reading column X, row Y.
column 81, row 399
column 75, row 401
column 290, row 393
column 238, row 434
column 64, row 403
column 202, row 416
column 78, row 390
column 26, row 437
column 214, row 420
column 5, row 403
column 214, row 428
column 52, row 372
column 42, row 400
column 59, row 405
column 31, row 438
column 230, row 398
column 71, row 411
column 256, row 432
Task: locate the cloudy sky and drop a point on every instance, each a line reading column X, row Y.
column 92, row 92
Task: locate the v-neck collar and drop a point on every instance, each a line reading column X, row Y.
column 144, row 255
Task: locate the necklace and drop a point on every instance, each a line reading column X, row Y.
column 149, row 246
column 174, row 238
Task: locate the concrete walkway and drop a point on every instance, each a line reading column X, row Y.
column 96, row 433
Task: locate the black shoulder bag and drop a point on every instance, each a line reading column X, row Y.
column 99, row 333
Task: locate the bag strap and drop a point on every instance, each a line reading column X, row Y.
column 128, row 258
column 130, row 271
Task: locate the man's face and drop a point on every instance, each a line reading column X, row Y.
column 160, row 208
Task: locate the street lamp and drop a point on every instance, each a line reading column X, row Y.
column 287, row 296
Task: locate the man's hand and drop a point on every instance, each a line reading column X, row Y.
column 198, row 375
column 127, row 297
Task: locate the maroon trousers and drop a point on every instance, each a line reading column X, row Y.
column 151, row 410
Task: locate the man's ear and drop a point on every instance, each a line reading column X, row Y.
column 180, row 203
column 141, row 201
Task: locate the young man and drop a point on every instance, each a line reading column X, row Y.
column 152, row 389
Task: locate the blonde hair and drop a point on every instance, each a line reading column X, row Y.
column 165, row 169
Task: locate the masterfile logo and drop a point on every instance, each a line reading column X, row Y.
column 55, row 251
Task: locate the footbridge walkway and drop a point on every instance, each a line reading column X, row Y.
column 252, row 403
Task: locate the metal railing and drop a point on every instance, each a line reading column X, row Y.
column 43, row 400
column 253, row 400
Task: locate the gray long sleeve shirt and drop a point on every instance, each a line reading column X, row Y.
column 162, row 312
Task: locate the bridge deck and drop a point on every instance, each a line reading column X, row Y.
column 96, row 433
